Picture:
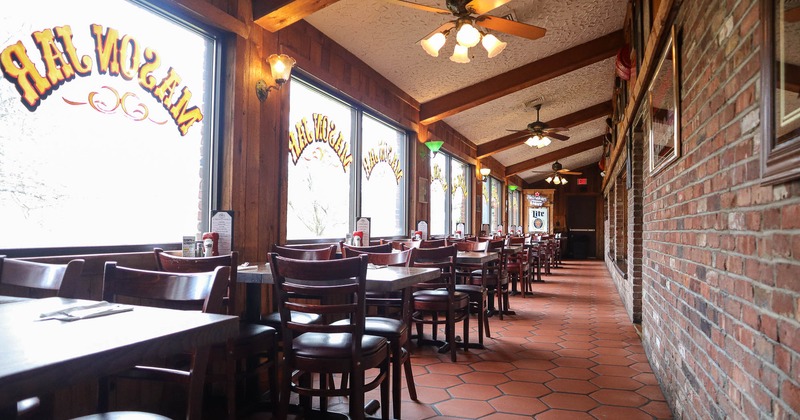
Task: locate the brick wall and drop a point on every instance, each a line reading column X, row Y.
column 721, row 253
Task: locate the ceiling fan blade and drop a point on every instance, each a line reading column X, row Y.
column 558, row 136
column 568, row 172
column 519, row 131
column 510, row 27
column 792, row 15
column 555, row 129
column 420, row 7
column 445, row 26
column 480, row 7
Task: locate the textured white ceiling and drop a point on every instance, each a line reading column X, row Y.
column 386, row 36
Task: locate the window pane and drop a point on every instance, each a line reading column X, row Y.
column 75, row 161
column 439, row 191
column 319, row 168
column 383, row 180
column 459, row 192
column 496, row 200
column 485, row 208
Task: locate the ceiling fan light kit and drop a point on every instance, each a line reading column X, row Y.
column 471, row 14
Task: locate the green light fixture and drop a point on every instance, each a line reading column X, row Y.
column 434, row 146
column 512, row 187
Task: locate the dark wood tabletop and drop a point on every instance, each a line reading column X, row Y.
column 475, row 257
column 38, row 357
column 384, row 279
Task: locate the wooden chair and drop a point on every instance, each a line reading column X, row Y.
column 433, row 243
column 36, row 280
column 254, row 349
column 476, row 289
column 517, row 264
column 186, row 291
column 403, row 244
column 328, row 253
column 496, row 277
column 381, row 248
column 439, row 297
column 338, row 287
column 394, row 329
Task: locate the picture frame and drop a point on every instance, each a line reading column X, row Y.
column 663, row 101
column 780, row 103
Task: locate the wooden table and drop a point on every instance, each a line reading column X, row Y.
column 384, row 279
column 38, row 357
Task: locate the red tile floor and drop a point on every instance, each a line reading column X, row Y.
column 570, row 352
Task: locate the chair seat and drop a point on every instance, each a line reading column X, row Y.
column 388, row 328
column 334, row 346
column 123, row 415
column 471, row 289
column 249, row 331
column 274, row 319
column 438, row 295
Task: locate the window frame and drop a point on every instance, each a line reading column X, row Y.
column 358, row 111
column 449, row 226
column 211, row 156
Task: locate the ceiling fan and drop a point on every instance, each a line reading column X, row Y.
column 540, row 132
column 557, row 176
column 471, row 13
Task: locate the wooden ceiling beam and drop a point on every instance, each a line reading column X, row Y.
column 554, row 156
column 522, row 77
column 274, row 15
column 570, row 120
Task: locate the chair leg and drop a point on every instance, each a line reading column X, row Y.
column 466, row 329
column 286, row 389
column 230, row 385
column 385, row 393
column 397, row 361
column 481, row 315
column 451, row 332
column 323, row 400
column 412, row 388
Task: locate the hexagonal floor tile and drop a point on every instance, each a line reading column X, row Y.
column 518, row 405
column 569, row 401
column 618, row 397
column 464, row 408
column 474, row 392
column 573, row 386
column 499, row 367
column 572, row 373
column 524, row 389
column 574, row 362
column 484, row 378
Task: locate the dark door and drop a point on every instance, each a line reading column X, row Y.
column 581, row 221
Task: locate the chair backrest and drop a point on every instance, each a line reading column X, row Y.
column 333, row 288
column 398, row 259
column 321, row 245
column 516, row 240
column 35, row 278
column 185, row 291
column 472, row 246
column 176, row 264
column 433, row 243
column 443, row 258
column 384, row 248
column 403, row 244
column 498, row 246
column 294, row 252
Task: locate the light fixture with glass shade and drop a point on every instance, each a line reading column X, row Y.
column 281, row 69
column 467, row 36
column 434, row 43
column 485, row 173
column 555, row 179
column 434, row 146
column 512, row 187
column 460, row 54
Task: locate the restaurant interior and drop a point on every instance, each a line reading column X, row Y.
column 527, row 208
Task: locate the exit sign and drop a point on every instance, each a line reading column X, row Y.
column 582, row 181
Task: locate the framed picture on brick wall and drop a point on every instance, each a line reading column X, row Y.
column 780, row 91
column 663, row 99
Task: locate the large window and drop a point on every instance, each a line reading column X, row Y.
column 107, row 123
column 513, row 208
column 328, row 185
column 450, row 191
column 492, row 203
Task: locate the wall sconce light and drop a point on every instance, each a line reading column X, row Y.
column 281, row 68
column 512, row 187
column 434, row 146
column 485, row 173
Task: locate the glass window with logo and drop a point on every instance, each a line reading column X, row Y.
column 383, row 181
column 325, row 195
column 90, row 103
column 513, row 208
column 440, row 187
column 450, row 190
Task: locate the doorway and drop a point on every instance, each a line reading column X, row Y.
column 582, row 225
